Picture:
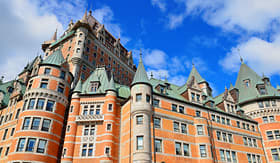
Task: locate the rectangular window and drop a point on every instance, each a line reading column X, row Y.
column 62, row 75
column 31, row 104
column 266, row 103
column 158, row 145
column 271, row 118
column 17, row 115
column 156, row 103
column 273, row 102
column 277, row 134
column 21, row 144
column 41, row 146
column 260, row 104
column 84, row 150
column 222, row 154
column 218, row 135
column 199, row 129
column 245, row 141
column 26, row 123
column 50, row 105
column 269, row 135
column 40, row 104
column 43, row 85
column 148, row 98
column 184, row 128
column 30, row 145
column 7, row 151
column 218, row 119
column 60, row 88
column 35, row 123
column 255, row 142
column 198, row 98
column 213, row 117
column 5, row 134
column 139, row 119
column 223, row 120
column 224, row 137
column 12, row 132
column 181, row 109
column 46, row 125
column 250, row 142
column 228, row 121
column 47, row 71
column 197, row 113
column 109, row 127
column 107, row 150
column 176, row 126
column 90, row 149
column 110, row 107
column 238, row 124
column 138, row 97
column 186, row 148
column 193, row 96
column 178, row 148
column 230, row 138
column 202, row 149
column 140, row 143
column 157, row 122
column 233, row 155
column 228, row 156
column 275, row 154
column 174, row 107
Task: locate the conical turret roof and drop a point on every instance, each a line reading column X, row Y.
column 196, row 75
column 111, row 85
column 141, row 74
column 78, row 87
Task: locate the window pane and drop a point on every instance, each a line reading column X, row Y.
column 186, row 149
column 41, row 146
column 50, row 105
column 202, row 150
column 26, row 123
column 139, row 119
column 178, row 148
column 140, row 144
column 157, row 145
column 35, row 123
column 157, row 122
column 222, row 155
column 46, row 125
column 21, row 144
column 184, row 128
column 40, row 104
column 138, row 97
column 176, row 126
column 31, row 104
column 30, row 145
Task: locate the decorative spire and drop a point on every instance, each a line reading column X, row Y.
column 55, row 35
column 141, row 74
column 241, row 59
column 84, row 19
column 111, row 84
column 152, row 76
column 78, row 87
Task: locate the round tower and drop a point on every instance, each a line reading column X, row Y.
column 141, row 114
column 40, row 126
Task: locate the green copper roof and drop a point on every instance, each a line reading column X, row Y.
column 250, row 92
column 79, row 86
column 55, row 59
column 111, row 85
column 141, row 74
column 62, row 38
column 123, row 90
column 196, row 75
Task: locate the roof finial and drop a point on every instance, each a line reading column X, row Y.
column 152, row 76
column 84, row 19
column 140, row 59
column 192, row 64
column 55, row 35
column 241, row 59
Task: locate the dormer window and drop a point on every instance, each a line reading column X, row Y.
column 262, row 90
column 247, row 83
column 94, row 86
column 161, row 89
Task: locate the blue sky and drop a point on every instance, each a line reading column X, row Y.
column 172, row 34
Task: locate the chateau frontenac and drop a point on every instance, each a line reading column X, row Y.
column 84, row 100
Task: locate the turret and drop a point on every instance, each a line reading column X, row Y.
column 141, row 113
column 41, row 123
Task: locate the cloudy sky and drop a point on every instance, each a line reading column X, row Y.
column 172, row 34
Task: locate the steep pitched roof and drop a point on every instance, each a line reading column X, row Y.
column 196, row 75
column 55, row 59
column 79, row 86
column 251, row 92
column 141, row 74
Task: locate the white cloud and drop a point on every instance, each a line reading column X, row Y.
column 249, row 15
column 154, row 58
column 161, row 4
column 24, row 29
column 262, row 56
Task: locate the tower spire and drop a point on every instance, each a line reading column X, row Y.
column 84, row 19
column 241, row 59
column 55, row 35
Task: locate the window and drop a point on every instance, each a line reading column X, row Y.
column 107, row 150
column 71, row 109
column 224, row 137
column 202, row 149
column 271, row 118
column 275, row 154
column 262, row 91
column 50, row 105
column 41, row 146
column 176, row 126
column 255, row 142
column 12, row 132
column 139, row 119
column 250, row 142
column 138, row 97
column 265, row 120
column 68, row 128
column 181, row 109
column 148, row 98
column 7, row 151
column 1, row 120
column 35, row 123
column 157, row 122
column 269, row 135
column 158, row 145
column 44, row 83
column 46, row 125
column 197, row 113
column 183, row 128
column 260, row 104
column 218, row 135
column 178, row 148
column 109, row 127
column 222, row 154
column 228, row 121
column 140, row 143
column 238, row 124
column 174, row 107
column 87, row 149
column 30, row 145
column 198, row 98
column 84, row 150
column 193, row 96
column 17, row 115
column 186, row 148
column 64, row 152
column 110, row 107
column 60, row 88
column 89, row 130
column 277, row 134
column 5, row 134
column 31, row 104
column 233, row 155
column 21, row 144
column 230, row 138
column 26, row 123
column 223, row 120
column 199, row 129
column 266, row 103
column 245, row 141
column 228, row 156
column 218, row 119
column 40, row 104
column 273, row 102
column 156, row 103
column 1, row 148
column 47, row 71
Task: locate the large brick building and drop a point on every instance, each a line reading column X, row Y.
column 85, row 101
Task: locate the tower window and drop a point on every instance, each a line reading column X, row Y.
column 35, row 123
column 62, row 75
column 139, row 119
column 247, row 83
column 31, row 104
column 157, row 122
column 30, row 145
column 107, row 150
column 140, row 143
column 46, row 125
column 94, row 86
column 41, row 146
column 50, row 105
column 21, row 144
column 47, row 71
column 138, row 97
column 40, row 104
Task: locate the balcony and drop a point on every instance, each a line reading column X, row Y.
column 89, row 118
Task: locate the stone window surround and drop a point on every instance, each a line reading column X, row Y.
column 35, row 146
column 40, row 125
column 44, row 107
column 225, row 155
